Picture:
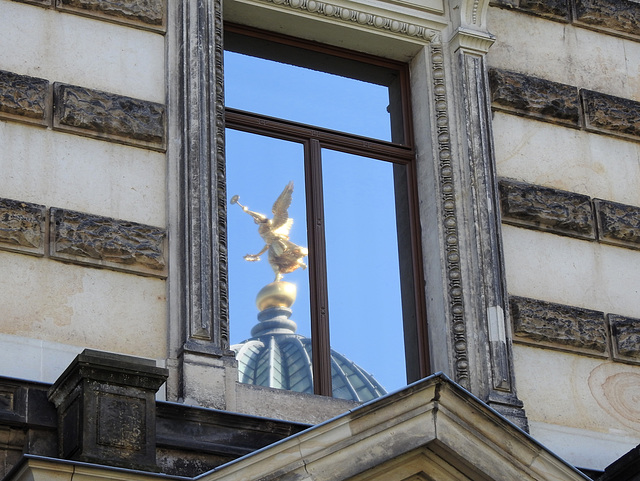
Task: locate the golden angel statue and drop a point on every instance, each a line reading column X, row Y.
column 284, row 255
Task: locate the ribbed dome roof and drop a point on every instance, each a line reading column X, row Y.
column 278, row 357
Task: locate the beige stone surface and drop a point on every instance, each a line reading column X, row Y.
column 579, row 396
column 81, row 51
column 572, row 272
column 545, row 154
column 564, row 53
column 71, row 172
column 80, row 306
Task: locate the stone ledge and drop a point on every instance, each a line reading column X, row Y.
column 103, row 241
column 559, row 326
column 612, row 16
column 618, row 224
column 552, row 9
column 24, row 98
column 22, row 226
column 148, row 14
column 547, row 209
column 611, row 115
column 625, row 334
column 109, row 116
column 535, row 97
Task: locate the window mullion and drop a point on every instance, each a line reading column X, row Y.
column 320, row 340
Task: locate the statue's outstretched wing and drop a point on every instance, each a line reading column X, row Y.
column 281, row 210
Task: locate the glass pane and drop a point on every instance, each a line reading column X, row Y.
column 307, row 96
column 258, row 169
column 365, row 304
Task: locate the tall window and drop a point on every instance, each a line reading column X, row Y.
column 336, row 124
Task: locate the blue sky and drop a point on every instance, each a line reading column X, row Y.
column 363, row 279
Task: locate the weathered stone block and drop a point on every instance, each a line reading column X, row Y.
column 109, row 116
column 560, row 326
column 554, row 9
column 103, row 241
column 547, row 209
column 625, row 333
column 106, row 409
column 618, row 224
column 148, row 13
column 43, row 3
column 535, row 97
column 611, row 115
column 22, row 226
column 23, row 98
column 617, row 16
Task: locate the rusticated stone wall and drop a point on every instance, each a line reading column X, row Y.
column 82, row 238
column 575, row 329
column 618, row 17
column 564, row 104
column 567, row 213
column 82, row 111
column 147, row 14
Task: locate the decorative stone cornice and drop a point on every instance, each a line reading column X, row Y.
column 360, row 17
column 472, row 41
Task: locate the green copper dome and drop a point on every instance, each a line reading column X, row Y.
column 275, row 356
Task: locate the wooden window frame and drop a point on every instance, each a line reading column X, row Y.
column 314, row 139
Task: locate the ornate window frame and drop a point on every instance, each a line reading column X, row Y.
column 462, row 263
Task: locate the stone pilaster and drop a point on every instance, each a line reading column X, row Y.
column 488, row 332
column 198, row 296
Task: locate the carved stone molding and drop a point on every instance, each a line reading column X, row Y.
column 109, row 116
column 560, row 326
column 611, row 115
column 535, row 97
column 22, row 226
column 618, row 224
column 24, row 98
column 103, row 241
column 458, row 333
column 547, row 209
column 625, row 334
column 199, row 292
column 359, row 17
column 147, row 14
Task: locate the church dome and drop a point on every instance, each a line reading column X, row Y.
column 275, row 356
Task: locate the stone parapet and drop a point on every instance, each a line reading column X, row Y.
column 570, row 328
column 549, row 101
column 149, row 14
column 82, row 111
column 614, row 17
column 567, row 213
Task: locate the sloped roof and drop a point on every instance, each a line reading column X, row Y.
column 431, row 430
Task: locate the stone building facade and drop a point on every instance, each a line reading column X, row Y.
column 525, row 157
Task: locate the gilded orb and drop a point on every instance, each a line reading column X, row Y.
column 276, row 294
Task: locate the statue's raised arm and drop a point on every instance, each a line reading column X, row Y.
column 284, row 255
